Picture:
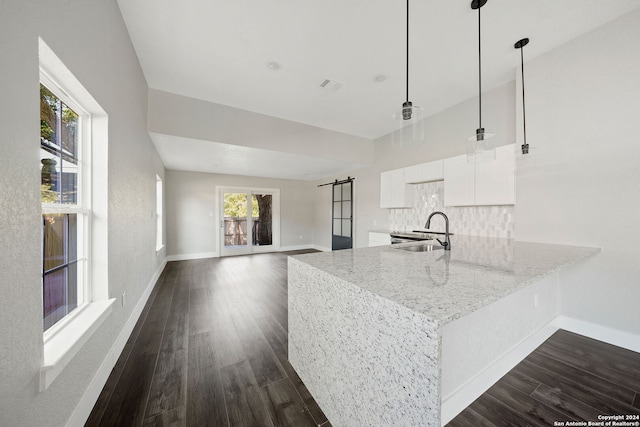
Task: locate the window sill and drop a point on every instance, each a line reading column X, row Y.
column 60, row 348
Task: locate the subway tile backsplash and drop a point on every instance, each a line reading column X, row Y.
column 489, row 221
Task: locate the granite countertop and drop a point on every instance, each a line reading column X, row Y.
column 446, row 285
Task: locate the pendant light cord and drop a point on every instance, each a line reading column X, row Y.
column 479, row 70
column 407, row 50
column 524, row 115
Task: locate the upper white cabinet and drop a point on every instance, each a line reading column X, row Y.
column 394, row 191
column 424, row 172
column 459, row 182
column 481, row 183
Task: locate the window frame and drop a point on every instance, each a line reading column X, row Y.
column 159, row 214
column 61, row 344
column 82, row 207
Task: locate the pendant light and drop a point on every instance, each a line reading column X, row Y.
column 480, row 145
column 519, row 45
column 409, row 126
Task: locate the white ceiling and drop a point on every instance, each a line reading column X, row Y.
column 207, row 156
column 219, row 51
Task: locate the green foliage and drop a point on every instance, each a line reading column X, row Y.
column 48, row 196
column 51, row 107
column 235, row 205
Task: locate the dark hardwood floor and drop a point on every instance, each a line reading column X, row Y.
column 210, row 349
column 568, row 378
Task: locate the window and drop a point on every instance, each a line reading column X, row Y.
column 65, row 211
column 159, row 202
column 74, row 147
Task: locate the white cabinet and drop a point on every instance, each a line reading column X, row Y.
column 394, row 192
column 424, row 172
column 395, row 188
column 459, row 182
column 379, row 239
column 481, row 183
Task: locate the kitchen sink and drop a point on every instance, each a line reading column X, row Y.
column 421, row 247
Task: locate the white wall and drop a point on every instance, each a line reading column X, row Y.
column 178, row 115
column 192, row 218
column 90, row 38
column 580, row 183
column 445, row 136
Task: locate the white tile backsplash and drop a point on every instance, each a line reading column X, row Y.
column 489, row 221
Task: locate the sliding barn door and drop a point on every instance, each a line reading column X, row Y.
column 342, row 223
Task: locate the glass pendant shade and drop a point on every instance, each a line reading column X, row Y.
column 481, row 146
column 408, row 126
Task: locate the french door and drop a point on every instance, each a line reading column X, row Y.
column 249, row 220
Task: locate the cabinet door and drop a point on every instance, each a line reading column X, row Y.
column 433, row 171
column 413, row 174
column 386, row 189
column 394, row 193
column 424, row 172
column 495, row 180
column 459, row 182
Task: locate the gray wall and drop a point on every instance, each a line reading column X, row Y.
column 192, row 217
column 89, row 36
column 173, row 114
column 579, row 185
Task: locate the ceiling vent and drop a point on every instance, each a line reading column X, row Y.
column 329, row 85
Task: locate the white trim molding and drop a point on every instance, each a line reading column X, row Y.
column 462, row 397
column 60, row 348
column 185, row 257
column 606, row 334
column 90, row 397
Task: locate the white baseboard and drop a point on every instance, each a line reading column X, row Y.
column 90, row 397
column 184, row 257
column 458, row 400
column 463, row 396
column 298, row 247
column 606, row 334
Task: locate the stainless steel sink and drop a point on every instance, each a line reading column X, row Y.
column 421, row 247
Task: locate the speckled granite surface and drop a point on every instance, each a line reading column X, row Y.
column 445, row 285
column 365, row 324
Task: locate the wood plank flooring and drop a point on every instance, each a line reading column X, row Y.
column 210, row 349
column 568, row 378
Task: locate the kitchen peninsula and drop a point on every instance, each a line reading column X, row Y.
column 367, row 326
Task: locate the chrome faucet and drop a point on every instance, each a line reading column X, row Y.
column 446, row 244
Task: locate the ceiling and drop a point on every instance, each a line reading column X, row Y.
column 271, row 57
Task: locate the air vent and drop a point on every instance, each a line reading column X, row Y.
column 329, row 85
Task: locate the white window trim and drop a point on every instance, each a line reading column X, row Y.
column 65, row 339
column 159, row 216
column 62, row 346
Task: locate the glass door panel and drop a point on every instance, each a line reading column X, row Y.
column 262, row 219
column 342, row 216
column 236, row 227
column 247, row 224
